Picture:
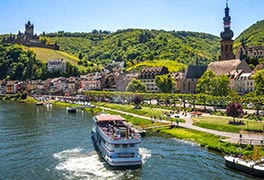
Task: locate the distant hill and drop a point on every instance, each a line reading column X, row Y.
column 136, row 45
column 254, row 35
column 140, row 47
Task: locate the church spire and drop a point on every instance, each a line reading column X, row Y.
column 227, row 35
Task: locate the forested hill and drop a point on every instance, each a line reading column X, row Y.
column 254, row 35
column 136, row 45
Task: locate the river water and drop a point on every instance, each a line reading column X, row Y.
column 46, row 143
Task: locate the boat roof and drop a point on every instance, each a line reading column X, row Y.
column 108, row 117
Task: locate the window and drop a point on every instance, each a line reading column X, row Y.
column 189, row 86
column 116, row 145
column 132, row 145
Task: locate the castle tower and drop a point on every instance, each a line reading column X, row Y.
column 227, row 35
column 29, row 30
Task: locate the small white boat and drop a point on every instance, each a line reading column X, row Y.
column 71, row 110
column 39, row 103
column 255, row 168
column 116, row 141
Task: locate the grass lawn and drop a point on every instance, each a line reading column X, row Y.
column 221, row 124
column 145, row 111
column 208, row 141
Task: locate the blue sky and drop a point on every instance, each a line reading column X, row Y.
column 86, row 15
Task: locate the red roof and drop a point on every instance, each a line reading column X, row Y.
column 196, row 113
column 108, row 117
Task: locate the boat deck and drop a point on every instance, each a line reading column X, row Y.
column 259, row 164
column 119, row 131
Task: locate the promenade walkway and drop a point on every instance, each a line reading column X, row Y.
column 252, row 138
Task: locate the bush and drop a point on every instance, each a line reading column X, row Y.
column 24, row 95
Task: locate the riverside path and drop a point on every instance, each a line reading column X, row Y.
column 252, row 138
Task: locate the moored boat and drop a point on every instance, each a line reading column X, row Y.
column 71, row 110
column 255, row 168
column 116, row 141
column 39, row 103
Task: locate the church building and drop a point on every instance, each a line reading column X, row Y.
column 227, row 64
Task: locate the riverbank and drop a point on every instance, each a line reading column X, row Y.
column 205, row 140
column 218, row 143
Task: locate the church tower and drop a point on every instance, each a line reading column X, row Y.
column 29, row 30
column 227, row 35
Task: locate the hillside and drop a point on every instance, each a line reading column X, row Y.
column 136, row 45
column 254, row 35
column 173, row 66
column 44, row 54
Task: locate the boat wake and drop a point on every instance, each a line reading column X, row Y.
column 76, row 163
column 80, row 164
column 146, row 154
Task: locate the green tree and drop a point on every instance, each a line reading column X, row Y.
column 259, row 82
column 137, row 100
column 80, row 56
column 136, row 86
column 165, row 83
column 220, row 85
column 119, row 43
column 205, row 83
column 214, row 85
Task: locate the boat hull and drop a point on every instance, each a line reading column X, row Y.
column 71, row 110
column 247, row 169
column 131, row 163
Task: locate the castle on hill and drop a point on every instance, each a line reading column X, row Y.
column 28, row 38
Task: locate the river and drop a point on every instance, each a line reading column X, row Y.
column 46, row 143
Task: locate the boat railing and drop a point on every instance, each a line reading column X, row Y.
column 115, row 133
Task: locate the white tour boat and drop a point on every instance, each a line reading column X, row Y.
column 255, row 168
column 116, row 141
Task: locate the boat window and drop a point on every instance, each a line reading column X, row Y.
column 132, row 145
column 116, row 145
column 124, row 145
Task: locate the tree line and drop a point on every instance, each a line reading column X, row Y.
column 18, row 63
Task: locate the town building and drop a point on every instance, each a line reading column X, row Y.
column 124, row 79
column 229, row 66
column 191, row 77
column 91, row 81
column 56, row 65
column 252, row 52
column 178, row 77
column 244, row 83
column 255, row 52
column 259, row 67
column 148, row 74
